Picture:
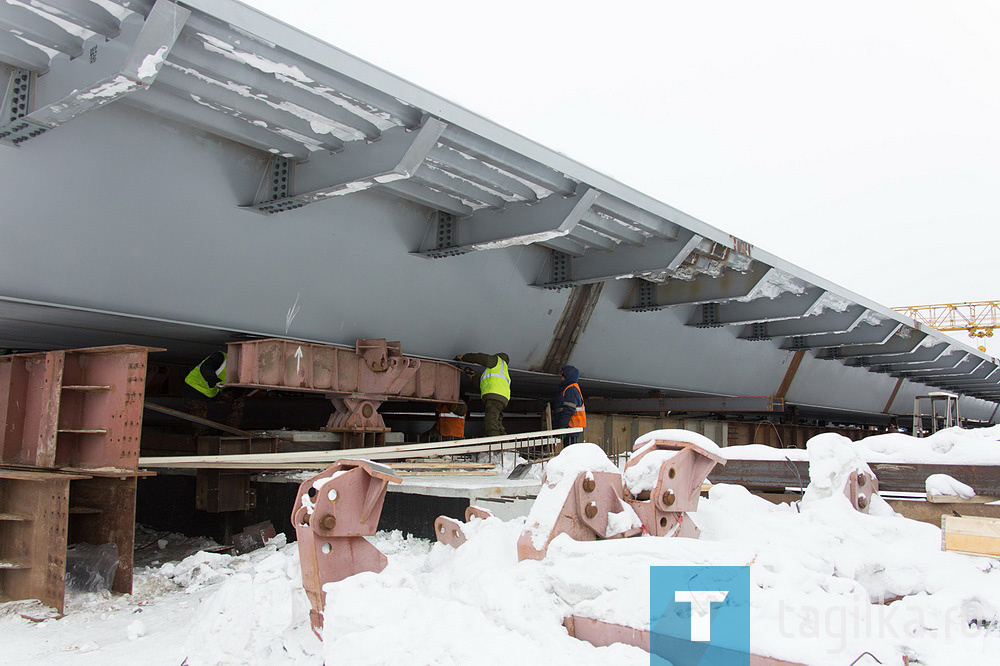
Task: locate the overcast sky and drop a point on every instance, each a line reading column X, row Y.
column 859, row 140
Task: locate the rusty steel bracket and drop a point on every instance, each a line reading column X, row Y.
column 585, row 515
column 860, row 488
column 334, row 512
column 451, row 532
column 663, row 510
column 595, row 496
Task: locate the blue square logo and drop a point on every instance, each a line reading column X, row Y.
column 699, row 616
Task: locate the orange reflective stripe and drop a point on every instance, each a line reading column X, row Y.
column 579, row 417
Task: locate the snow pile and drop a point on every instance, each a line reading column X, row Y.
column 643, row 475
column 560, row 474
column 677, row 436
column 942, row 484
column 955, row 446
column 832, row 460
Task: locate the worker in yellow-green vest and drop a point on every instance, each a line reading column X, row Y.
column 209, row 376
column 494, row 387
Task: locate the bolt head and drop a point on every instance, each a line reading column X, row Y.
column 328, row 522
column 591, row 510
column 589, row 485
column 669, row 498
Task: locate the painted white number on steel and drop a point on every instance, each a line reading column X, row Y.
column 701, row 610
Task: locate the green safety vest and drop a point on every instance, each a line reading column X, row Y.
column 197, row 381
column 496, row 380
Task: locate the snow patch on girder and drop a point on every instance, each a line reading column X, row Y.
column 828, row 301
column 151, row 63
column 527, row 239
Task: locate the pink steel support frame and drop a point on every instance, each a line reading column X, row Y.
column 595, row 495
column 346, row 503
column 451, row 532
column 678, row 488
column 356, row 381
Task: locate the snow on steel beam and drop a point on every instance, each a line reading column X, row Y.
column 936, row 354
column 323, row 115
column 417, row 193
column 178, row 106
column 34, row 25
column 358, row 167
column 986, row 374
column 638, row 218
column 789, row 305
column 905, row 341
column 946, row 362
column 459, row 187
column 508, row 160
column 818, row 324
column 23, row 55
column 592, row 239
column 612, row 228
column 135, row 72
column 240, row 45
column 655, row 256
column 863, row 335
column 517, row 224
column 702, row 289
column 565, row 245
column 84, row 13
column 219, row 95
column 963, row 369
column 477, row 171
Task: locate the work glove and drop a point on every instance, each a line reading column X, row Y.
column 458, row 358
column 470, row 372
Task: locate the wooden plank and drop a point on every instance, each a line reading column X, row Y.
column 971, row 535
column 473, row 445
column 953, row 499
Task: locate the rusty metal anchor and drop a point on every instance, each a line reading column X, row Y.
column 334, row 512
column 451, row 532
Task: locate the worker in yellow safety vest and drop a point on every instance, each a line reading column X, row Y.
column 569, row 409
column 209, row 376
column 494, row 387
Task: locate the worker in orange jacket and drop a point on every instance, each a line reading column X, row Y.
column 450, row 423
column 568, row 408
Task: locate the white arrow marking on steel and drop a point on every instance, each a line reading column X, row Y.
column 298, row 359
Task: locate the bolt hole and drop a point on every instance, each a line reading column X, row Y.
column 663, row 522
column 326, row 548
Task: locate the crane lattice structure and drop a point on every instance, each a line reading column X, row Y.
column 979, row 318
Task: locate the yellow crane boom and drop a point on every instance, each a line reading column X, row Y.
column 979, row 318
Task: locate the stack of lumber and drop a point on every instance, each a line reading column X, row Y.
column 321, row 459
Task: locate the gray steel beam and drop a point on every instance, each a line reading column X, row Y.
column 819, row 324
column 611, row 227
column 752, row 403
column 566, row 246
column 247, row 107
column 898, row 344
column 20, row 54
column 190, row 53
column 936, row 356
column 655, row 255
column 178, row 106
column 85, row 14
column 592, row 239
column 358, row 167
column 514, row 163
column 40, row 30
column 863, row 335
column 517, row 224
column 407, row 189
column 985, row 375
column 458, row 187
column 136, row 72
column 478, row 172
column 963, row 369
column 293, row 69
column 638, row 218
column 702, row 289
column 786, row 306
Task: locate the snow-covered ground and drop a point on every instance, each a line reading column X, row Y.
column 820, row 571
